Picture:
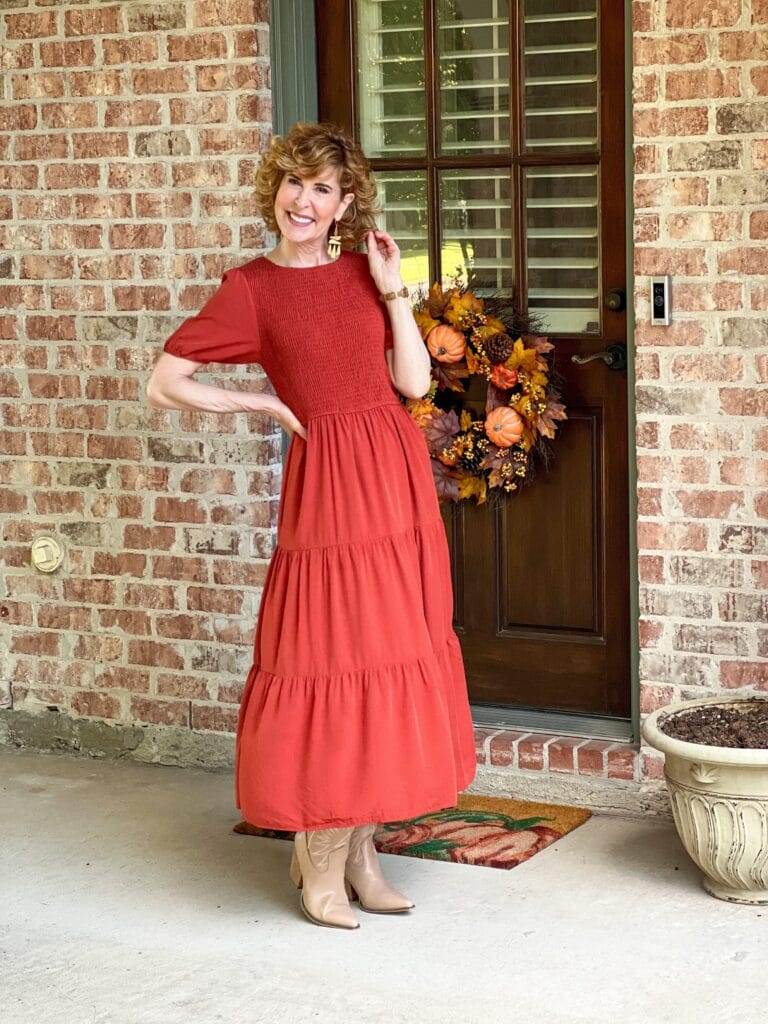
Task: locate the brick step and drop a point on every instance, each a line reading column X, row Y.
column 577, row 755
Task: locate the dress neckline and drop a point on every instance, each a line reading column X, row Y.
column 320, row 266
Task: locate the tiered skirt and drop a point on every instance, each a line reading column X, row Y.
column 355, row 708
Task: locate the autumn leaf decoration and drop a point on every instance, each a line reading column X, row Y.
column 475, row 454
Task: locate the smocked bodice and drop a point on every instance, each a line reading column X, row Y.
column 322, row 333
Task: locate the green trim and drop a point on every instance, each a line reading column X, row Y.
column 293, row 63
column 293, row 67
column 634, row 610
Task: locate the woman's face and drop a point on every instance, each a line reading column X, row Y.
column 317, row 200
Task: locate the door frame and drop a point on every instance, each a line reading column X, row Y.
column 294, row 98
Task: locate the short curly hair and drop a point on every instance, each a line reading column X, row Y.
column 309, row 148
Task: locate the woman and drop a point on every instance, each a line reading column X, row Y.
column 355, row 709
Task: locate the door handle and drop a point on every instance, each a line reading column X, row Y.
column 614, row 357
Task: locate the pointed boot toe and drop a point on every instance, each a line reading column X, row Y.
column 365, row 880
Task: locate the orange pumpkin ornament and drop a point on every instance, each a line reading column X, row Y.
column 504, row 426
column 446, row 344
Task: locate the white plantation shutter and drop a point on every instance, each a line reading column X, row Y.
column 390, row 58
column 560, row 73
column 558, row 95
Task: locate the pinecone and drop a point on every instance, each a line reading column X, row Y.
column 436, row 304
column 499, row 347
column 473, row 453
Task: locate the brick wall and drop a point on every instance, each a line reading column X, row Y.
column 127, row 141
column 701, row 189
column 128, row 134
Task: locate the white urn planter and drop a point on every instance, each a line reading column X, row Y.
column 719, row 798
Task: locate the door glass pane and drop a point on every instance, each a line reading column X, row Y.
column 403, row 196
column 560, row 73
column 476, row 228
column 561, row 220
column 473, row 65
column 390, row 77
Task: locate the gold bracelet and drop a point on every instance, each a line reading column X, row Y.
column 403, row 293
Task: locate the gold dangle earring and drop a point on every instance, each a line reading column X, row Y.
column 334, row 243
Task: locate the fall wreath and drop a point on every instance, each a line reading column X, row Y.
column 491, row 410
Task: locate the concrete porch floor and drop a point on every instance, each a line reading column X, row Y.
column 127, row 899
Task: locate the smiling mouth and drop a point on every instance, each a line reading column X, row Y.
column 299, row 223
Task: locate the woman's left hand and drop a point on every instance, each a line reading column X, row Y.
column 384, row 261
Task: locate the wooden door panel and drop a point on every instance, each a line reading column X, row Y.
column 547, row 557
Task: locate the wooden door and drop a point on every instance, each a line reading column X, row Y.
column 496, row 131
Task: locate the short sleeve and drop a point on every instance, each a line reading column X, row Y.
column 225, row 330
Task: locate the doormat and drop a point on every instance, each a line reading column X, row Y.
column 487, row 831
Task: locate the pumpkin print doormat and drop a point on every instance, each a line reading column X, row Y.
column 488, row 831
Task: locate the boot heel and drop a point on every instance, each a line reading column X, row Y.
column 317, row 868
column 350, row 891
column 295, row 871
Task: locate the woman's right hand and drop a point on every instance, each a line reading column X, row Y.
column 288, row 421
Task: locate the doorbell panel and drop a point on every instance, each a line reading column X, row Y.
column 661, row 301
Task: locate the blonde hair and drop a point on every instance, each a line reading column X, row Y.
column 308, row 149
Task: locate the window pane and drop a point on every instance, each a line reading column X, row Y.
column 390, row 77
column 473, row 62
column 562, row 248
column 560, row 73
column 403, row 196
column 476, row 228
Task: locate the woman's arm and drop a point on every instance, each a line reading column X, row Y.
column 224, row 331
column 408, row 359
column 171, row 386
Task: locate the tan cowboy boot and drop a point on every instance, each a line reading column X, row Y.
column 364, row 878
column 317, row 867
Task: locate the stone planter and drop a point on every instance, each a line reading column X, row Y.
column 719, row 798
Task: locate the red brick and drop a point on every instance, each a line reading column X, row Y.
column 503, row 747
column 188, row 687
column 30, row 26
column 709, row 504
column 652, row 766
column 702, row 13
column 707, row 367
column 752, row 260
column 650, row 633
column 160, row 712
column 677, row 48
column 481, row 735
column 591, row 757
column 213, row 718
column 741, row 46
column 677, row 121
column 734, row 674
column 744, row 401
column 707, row 83
column 230, row 12
column 621, row 763
column 672, row 536
column 654, row 697
column 95, row 705
column 561, row 754
column 530, row 752
column 650, row 568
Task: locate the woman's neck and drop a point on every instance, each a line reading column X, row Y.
column 297, row 258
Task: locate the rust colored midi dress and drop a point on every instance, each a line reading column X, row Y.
column 355, row 708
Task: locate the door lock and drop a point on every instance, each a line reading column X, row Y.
column 616, row 300
column 614, row 357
